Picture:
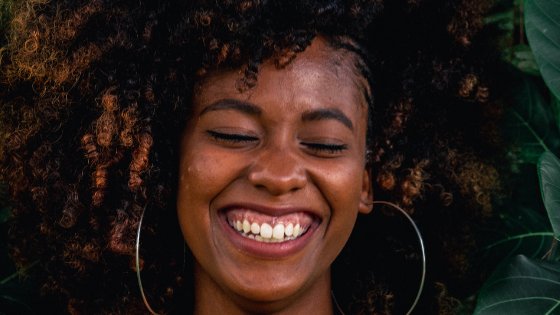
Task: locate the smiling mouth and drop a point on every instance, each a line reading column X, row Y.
column 268, row 234
column 269, row 229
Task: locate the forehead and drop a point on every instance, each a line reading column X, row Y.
column 321, row 74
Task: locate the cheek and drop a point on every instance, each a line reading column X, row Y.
column 197, row 180
column 197, row 174
column 344, row 184
column 190, row 181
column 341, row 190
column 347, row 206
column 341, row 186
column 203, row 173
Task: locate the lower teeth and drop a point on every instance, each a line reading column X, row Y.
column 267, row 240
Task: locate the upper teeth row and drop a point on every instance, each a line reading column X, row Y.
column 279, row 232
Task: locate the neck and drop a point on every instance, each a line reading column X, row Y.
column 213, row 299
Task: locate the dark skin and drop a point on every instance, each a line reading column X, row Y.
column 290, row 151
column 95, row 96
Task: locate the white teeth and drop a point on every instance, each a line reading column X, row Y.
column 278, row 232
column 246, row 226
column 255, row 228
column 289, row 230
column 266, row 233
column 297, row 230
column 266, row 230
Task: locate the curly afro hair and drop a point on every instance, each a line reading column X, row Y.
column 94, row 95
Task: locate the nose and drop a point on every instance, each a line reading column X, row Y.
column 277, row 171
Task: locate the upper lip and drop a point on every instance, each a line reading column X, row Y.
column 275, row 211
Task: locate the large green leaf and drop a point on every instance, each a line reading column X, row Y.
column 542, row 22
column 556, row 109
column 521, row 230
column 521, row 286
column 11, row 305
column 16, row 292
column 531, row 124
column 549, row 175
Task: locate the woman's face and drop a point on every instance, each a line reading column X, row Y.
column 272, row 179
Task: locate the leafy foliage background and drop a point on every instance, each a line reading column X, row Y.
column 527, row 280
column 532, row 126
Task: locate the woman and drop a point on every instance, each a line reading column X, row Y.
column 271, row 181
column 254, row 131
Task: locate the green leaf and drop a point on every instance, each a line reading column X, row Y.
column 521, row 286
column 18, row 273
column 549, row 177
column 504, row 20
column 542, row 22
column 555, row 103
column 530, row 123
column 521, row 57
column 16, row 304
column 522, row 231
column 17, row 297
column 17, row 292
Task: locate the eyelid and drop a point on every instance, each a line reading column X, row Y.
column 231, row 136
column 325, row 148
column 319, row 147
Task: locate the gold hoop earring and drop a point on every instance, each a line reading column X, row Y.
column 137, row 261
column 422, row 249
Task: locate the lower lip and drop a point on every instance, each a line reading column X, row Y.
column 267, row 250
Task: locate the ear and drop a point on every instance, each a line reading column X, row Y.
column 366, row 198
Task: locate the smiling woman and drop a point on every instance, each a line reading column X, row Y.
column 269, row 190
column 238, row 147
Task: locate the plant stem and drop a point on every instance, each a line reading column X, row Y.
column 19, row 272
column 539, row 140
column 552, row 252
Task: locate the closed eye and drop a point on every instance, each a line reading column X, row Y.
column 233, row 138
column 325, row 148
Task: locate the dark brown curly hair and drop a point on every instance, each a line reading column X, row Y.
column 94, row 95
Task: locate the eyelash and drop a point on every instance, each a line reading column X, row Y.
column 240, row 138
column 325, row 148
column 231, row 137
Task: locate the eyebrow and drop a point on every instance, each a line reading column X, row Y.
column 228, row 103
column 252, row 109
column 328, row 113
